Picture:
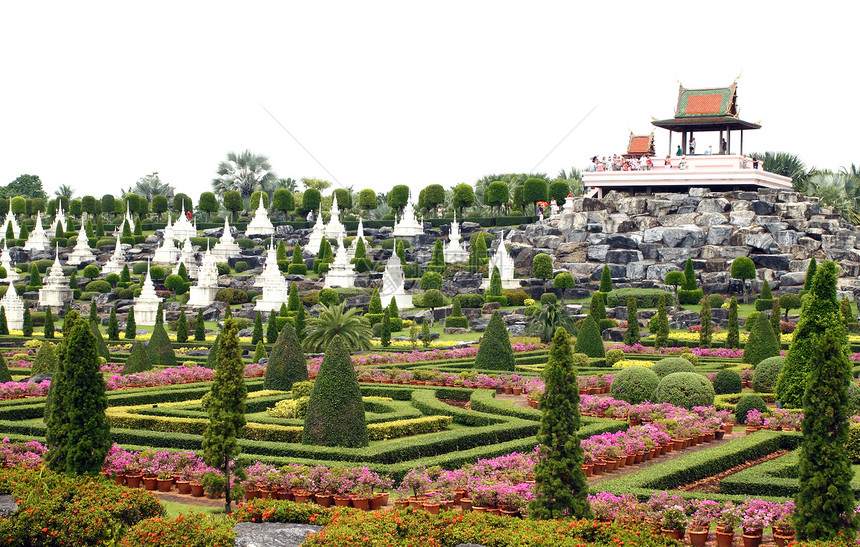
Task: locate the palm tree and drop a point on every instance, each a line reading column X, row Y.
column 245, row 173
column 151, row 185
column 64, row 191
column 841, row 191
column 787, row 165
column 353, row 329
column 551, row 316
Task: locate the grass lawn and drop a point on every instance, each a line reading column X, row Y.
column 175, row 509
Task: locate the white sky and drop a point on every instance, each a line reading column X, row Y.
column 98, row 94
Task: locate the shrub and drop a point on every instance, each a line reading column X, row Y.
column 188, row 530
column 750, row 321
column 286, row 362
column 98, row 286
column 613, row 356
column 690, row 297
column 766, row 374
column 548, row 299
column 297, row 269
column 240, row 266
column 46, row 360
column 232, row 296
column 589, row 341
column 715, row 301
column 495, row 352
column 159, row 350
column 223, row 269
column 747, row 403
column 515, row 297
column 542, row 266
column 431, row 280
column 762, row 342
column 604, row 324
column 471, row 300
column 645, row 298
column 634, row 385
column 727, row 381
column 329, row 297
column 671, row 365
column 685, row 389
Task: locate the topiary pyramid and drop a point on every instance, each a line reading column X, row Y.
column 287, row 363
column 335, row 414
column 762, row 342
column 101, row 346
column 138, row 360
column 589, row 341
column 212, row 360
column 494, row 352
column 159, row 349
column 46, row 360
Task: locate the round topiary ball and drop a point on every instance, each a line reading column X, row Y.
column 747, row 403
column 670, row 365
column 727, row 381
column 634, row 385
column 684, row 389
column 766, row 373
column 548, row 299
column 613, row 356
column 715, row 300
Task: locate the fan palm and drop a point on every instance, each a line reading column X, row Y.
column 552, row 316
column 787, row 165
column 65, row 191
column 245, row 173
column 841, row 191
column 151, row 185
column 353, row 329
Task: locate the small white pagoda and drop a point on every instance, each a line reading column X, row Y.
column 128, row 218
column 359, row 234
column 393, row 283
column 6, row 262
column 188, row 258
column 146, row 305
column 203, row 293
column 168, row 230
column 276, row 291
column 82, row 252
column 10, row 218
column 453, row 250
column 260, row 225
column 341, row 272
column 59, row 217
column 38, row 240
column 271, row 273
column 167, row 253
column 316, row 237
column 408, row 225
column 335, row 228
column 117, row 260
column 226, row 246
column 183, row 228
column 502, row 260
column 14, row 309
column 55, row 292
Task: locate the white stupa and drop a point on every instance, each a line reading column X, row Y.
column 276, row 291
column 335, row 228
column 188, row 258
column 271, row 272
column 167, row 252
column 10, row 218
column 226, row 246
column 128, row 218
column 14, row 307
column 146, row 305
column 38, row 240
column 59, row 217
column 203, row 293
column 55, row 291
column 408, row 225
column 260, row 225
column 117, row 260
column 502, row 260
column 168, row 229
column 358, row 235
column 82, row 252
column 393, row 283
column 453, row 250
column 6, row 262
column 183, row 228
column 341, row 272
column 316, row 237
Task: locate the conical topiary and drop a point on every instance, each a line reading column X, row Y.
column 101, row 346
column 182, row 327
column 27, row 328
column 762, row 342
column 159, row 349
column 260, row 352
column 631, row 337
column 293, row 301
column 272, row 328
column 130, row 325
column 46, row 360
column 199, row 327
column 138, row 360
column 605, row 281
column 335, row 414
column 257, row 335
column 495, row 352
column 287, row 363
column 5, row 376
column 589, row 341
column 212, row 359
column 49, row 323
column 598, row 307
column 4, row 326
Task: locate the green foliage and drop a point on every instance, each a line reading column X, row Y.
column 645, row 298
column 98, row 286
column 685, row 389
column 662, row 323
column 732, row 332
column 825, row 501
column 767, row 373
column 743, row 268
column 727, row 381
column 765, row 298
column 385, row 335
column 495, row 352
column 212, row 358
column 598, row 307
column 563, row 281
column 182, row 327
column 138, row 360
column 101, row 346
column 260, row 352
column 354, row 330
column 548, row 319
column 35, row 278
column 437, row 262
column 548, row 299
column 257, row 335
column 226, row 407
column 46, row 360
column 747, row 403
column 463, row 197
column 774, row 320
column 335, row 415
column 4, row 327
column 632, row 337
column 433, row 299
column 431, row 280
column 605, row 280
column 77, row 422
column 534, row 190
column 689, row 283
column 496, row 195
column 706, row 330
column 199, row 327
column 560, row 484
column 272, row 328
column 159, row 349
column 125, row 275
column 671, row 365
column 27, row 328
column 328, row 297
column 542, row 266
column 478, row 253
column 49, row 324
column 130, row 325
column 589, row 341
column 810, row 274
column 848, row 317
column 634, row 385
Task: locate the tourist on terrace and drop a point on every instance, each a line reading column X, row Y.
column 724, row 146
column 310, row 217
column 683, row 165
column 648, row 163
column 755, row 161
column 668, row 163
column 679, row 152
column 709, row 151
column 692, row 145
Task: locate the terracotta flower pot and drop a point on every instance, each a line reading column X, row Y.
column 783, row 539
column 197, row 490
column 432, row 508
column 518, row 390
column 678, row 444
column 401, row 504
column 324, row 499
column 752, row 540
column 165, row 485
column 133, row 481
column 150, row 483
column 719, row 434
column 377, row 501
column 466, row 505
column 119, row 479
column 724, row 539
column 341, row 501
column 698, row 538
column 183, row 487
column 361, row 502
column 751, row 429
column 508, row 390
column 630, row 459
column 284, row 494
column 728, row 428
column 509, row 512
column 266, row 493
column 303, row 496
column 677, row 533
column 587, row 469
column 214, row 495
column 598, row 467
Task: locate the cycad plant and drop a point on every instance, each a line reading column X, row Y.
column 353, row 329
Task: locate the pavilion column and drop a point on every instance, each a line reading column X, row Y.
column 729, row 145
column 742, row 142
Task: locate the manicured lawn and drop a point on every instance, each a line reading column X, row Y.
column 175, row 509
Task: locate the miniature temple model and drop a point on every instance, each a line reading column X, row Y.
column 38, row 239
column 503, row 261
column 393, row 284
column 55, row 291
column 59, row 217
column 335, row 228
column 359, row 234
column 276, row 291
column 167, row 252
column 188, row 258
column 6, row 262
column 10, row 219
column 117, row 260
column 14, row 307
column 341, row 272
column 203, row 293
column 408, row 225
column 454, row 250
column 82, row 252
column 316, row 236
column 226, row 246
column 146, row 305
column 260, row 225
column 183, row 228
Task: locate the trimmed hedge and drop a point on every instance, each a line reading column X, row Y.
column 747, row 403
column 495, row 352
column 645, row 298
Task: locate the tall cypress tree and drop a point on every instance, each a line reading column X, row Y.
column 182, row 327
column 810, row 275
column 301, row 324
column 287, row 363
column 130, row 325
column 775, row 323
column 437, row 262
column 113, row 325
column 825, row 499
column 226, row 409
column 49, row 323
column 385, row 336
column 125, row 275
column 199, row 327
column 495, row 350
column 733, row 331
column 293, row 301
column 4, row 326
column 605, row 281
column 272, row 328
column 159, row 314
column 94, row 312
column 257, row 336
column 27, row 328
column 35, row 278
column 706, row 328
column 662, row 339
column 560, row 485
column 159, row 348
column 689, row 277
column 631, row 337
column 598, row 307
